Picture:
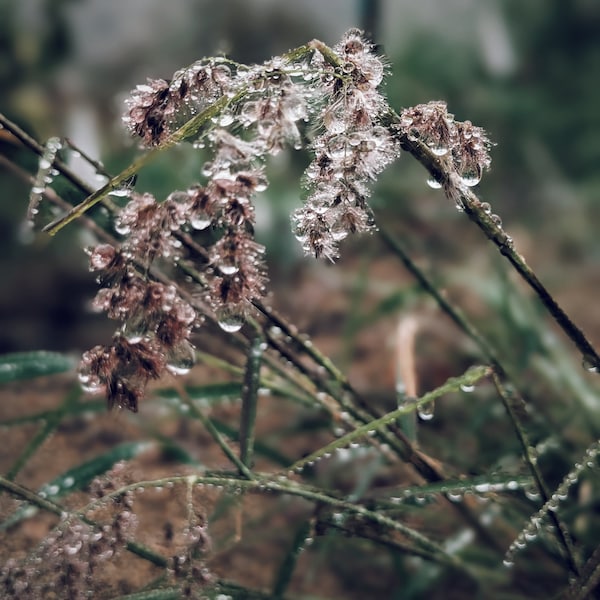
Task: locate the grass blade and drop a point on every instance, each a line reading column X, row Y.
column 27, row 365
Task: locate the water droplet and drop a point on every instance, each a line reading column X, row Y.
column 590, row 365
column 454, row 496
column 471, row 176
column 434, row 184
column 230, row 318
column 532, row 493
column 439, row 150
column 89, row 384
column 73, row 548
column 200, row 220
column 467, row 388
column 228, row 268
column 508, row 563
column 426, row 411
column 181, row 359
column 226, row 120
column 120, row 192
column 122, row 228
column 497, row 220
column 530, row 536
column 52, row 489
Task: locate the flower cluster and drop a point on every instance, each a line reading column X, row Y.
column 350, row 151
column 260, row 110
column 158, row 106
column 156, row 322
column 274, row 106
column 465, row 145
column 69, row 561
column 237, row 272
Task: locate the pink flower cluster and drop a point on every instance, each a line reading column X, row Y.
column 465, row 145
column 351, row 149
column 261, row 110
column 157, row 107
column 156, row 322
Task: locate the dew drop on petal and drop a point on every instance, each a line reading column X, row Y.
column 228, row 268
column 230, row 319
column 122, row 228
column 181, row 359
column 200, row 220
column 73, row 548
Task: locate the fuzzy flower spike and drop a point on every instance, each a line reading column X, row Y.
column 351, row 149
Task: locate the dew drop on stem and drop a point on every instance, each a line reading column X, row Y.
column 433, row 183
column 426, row 411
column 471, row 176
column 590, row 365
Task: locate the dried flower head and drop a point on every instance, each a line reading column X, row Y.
column 350, row 151
column 156, row 108
column 260, row 110
column 466, row 146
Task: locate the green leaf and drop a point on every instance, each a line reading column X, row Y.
column 27, row 365
column 212, row 393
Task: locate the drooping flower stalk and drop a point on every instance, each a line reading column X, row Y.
column 261, row 110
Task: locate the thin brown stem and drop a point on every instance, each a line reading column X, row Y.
column 473, row 208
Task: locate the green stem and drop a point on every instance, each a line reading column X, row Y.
column 453, row 384
column 531, row 461
column 214, row 432
column 191, row 127
column 262, row 484
column 250, row 399
column 284, row 574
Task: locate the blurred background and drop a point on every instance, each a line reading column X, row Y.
column 525, row 71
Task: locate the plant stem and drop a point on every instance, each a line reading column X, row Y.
column 473, row 209
column 453, row 384
column 531, row 462
column 214, row 432
column 424, row 546
column 250, row 399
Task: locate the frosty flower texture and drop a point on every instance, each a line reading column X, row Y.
column 351, row 149
column 326, row 99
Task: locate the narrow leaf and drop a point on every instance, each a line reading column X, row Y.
column 27, row 365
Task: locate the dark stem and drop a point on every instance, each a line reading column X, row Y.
column 250, row 399
column 473, row 209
